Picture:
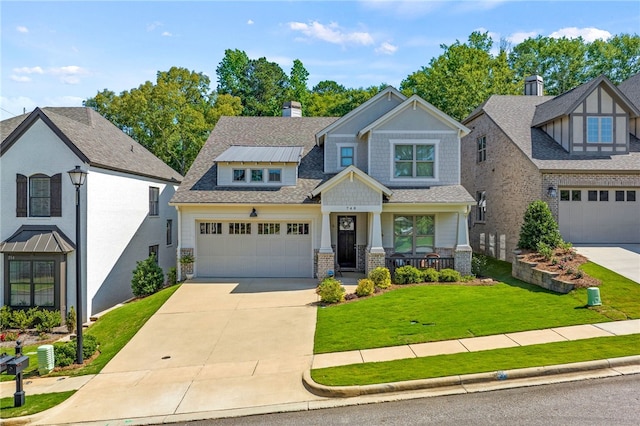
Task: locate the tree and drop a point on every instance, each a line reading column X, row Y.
column 147, row 277
column 539, row 226
column 463, row 77
column 618, row 58
column 330, row 99
column 171, row 118
column 298, row 90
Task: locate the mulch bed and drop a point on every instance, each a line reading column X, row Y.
column 566, row 264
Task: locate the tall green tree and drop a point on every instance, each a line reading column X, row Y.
column 618, row 57
column 330, row 99
column 172, row 117
column 298, row 90
column 462, row 77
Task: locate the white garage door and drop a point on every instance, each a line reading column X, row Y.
column 597, row 215
column 252, row 249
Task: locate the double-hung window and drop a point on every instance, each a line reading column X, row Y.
column 414, row 160
column 154, row 201
column 414, row 234
column 347, row 154
column 38, row 195
column 482, row 149
column 481, row 208
column 275, row 175
column 599, row 129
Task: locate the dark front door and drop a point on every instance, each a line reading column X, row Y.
column 347, row 241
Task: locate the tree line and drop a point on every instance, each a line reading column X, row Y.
column 174, row 116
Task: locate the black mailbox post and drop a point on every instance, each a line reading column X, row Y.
column 15, row 365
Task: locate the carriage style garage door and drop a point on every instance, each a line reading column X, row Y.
column 598, row 215
column 254, row 249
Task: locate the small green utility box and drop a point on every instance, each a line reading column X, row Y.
column 593, row 296
column 46, row 360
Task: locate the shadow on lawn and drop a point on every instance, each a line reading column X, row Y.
column 501, row 271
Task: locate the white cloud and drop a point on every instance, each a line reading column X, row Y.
column 29, row 70
column 386, row 49
column 519, row 37
column 167, row 34
column 22, row 29
column 70, row 74
column 588, row 34
column 152, row 26
column 20, row 78
column 10, row 107
column 250, row 22
column 332, row 33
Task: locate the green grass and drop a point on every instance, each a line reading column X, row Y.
column 113, row 331
column 33, row 404
column 478, row 362
column 433, row 313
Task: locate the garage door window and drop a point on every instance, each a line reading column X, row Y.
column 630, row 195
column 598, row 195
column 268, row 229
column 570, row 195
column 239, row 228
column 297, row 228
column 207, row 228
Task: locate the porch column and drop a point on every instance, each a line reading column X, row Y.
column 376, row 234
column 463, row 251
column 325, row 239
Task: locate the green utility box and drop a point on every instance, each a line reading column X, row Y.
column 593, row 296
column 46, row 360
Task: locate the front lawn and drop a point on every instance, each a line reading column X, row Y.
column 442, row 312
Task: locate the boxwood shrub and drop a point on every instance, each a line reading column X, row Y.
column 407, row 275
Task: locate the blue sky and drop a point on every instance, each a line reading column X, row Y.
column 57, row 53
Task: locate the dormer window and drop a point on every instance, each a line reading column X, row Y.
column 599, row 130
column 346, row 155
column 275, row 175
column 239, row 175
column 256, row 175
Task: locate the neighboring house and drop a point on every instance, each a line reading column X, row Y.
column 124, row 210
column 579, row 152
column 299, row 196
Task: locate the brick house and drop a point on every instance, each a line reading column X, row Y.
column 297, row 196
column 578, row 151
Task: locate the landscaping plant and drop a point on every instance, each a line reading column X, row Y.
column 449, row 276
column 365, row 287
column 539, row 226
column 381, row 277
column 478, row 264
column 65, row 353
column 430, row 275
column 330, row 290
column 407, row 275
column 70, row 320
column 147, row 277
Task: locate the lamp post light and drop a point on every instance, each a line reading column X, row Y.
column 78, row 176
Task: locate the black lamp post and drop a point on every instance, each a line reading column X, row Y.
column 78, row 177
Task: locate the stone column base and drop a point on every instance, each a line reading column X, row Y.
column 462, row 256
column 374, row 260
column 325, row 264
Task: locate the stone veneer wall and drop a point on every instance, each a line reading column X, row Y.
column 526, row 271
column 374, row 260
column 324, row 265
column 463, row 261
column 184, row 267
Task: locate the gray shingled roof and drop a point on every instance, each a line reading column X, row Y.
column 563, row 104
column 631, row 88
column 199, row 185
column 101, row 142
column 514, row 114
column 277, row 154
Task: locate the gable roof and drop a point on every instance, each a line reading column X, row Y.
column 389, row 91
column 631, row 88
column 93, row 138
column 567, row 102
column 513, row 116
column 411, row 103
column 200, row 183
column 347, row 174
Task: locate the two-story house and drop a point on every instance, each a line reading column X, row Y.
column 578, row 151
column 123, row 207
column 296, row 196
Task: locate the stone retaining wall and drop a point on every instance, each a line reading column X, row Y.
column 526, row 271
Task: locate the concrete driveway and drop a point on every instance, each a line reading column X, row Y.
column 623, row 259
column 213, row 346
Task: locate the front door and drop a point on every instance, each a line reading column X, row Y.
column 347, row 242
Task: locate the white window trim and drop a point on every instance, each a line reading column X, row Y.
column 436, row 161
column 265, row 176
column 339, row 146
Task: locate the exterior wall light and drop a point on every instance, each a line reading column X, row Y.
column 254, row 213
column 551, row 192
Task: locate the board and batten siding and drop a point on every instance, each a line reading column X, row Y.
column 289, row 174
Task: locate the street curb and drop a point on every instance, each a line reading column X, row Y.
column 494, row 376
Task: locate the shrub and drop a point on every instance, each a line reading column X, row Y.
column 478, row 264
column 330, row 290
column 566, row 247
column 407, row 275
column 544, row 250
column 578, row 274
column 539, row 225
column 365, row 287
column 45, row 320
column 381, row 277
column 147, row 277
column 172, row 276
column 9, row 336
column 21, row 320
column 450, row 276
column 430, row 275
column 65, row 353
column 70, row 320
column 5, row 318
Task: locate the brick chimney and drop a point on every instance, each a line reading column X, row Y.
column 533, row 86
column 292, row 109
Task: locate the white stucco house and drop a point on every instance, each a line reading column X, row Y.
column 297, row 196
column 124, row 210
